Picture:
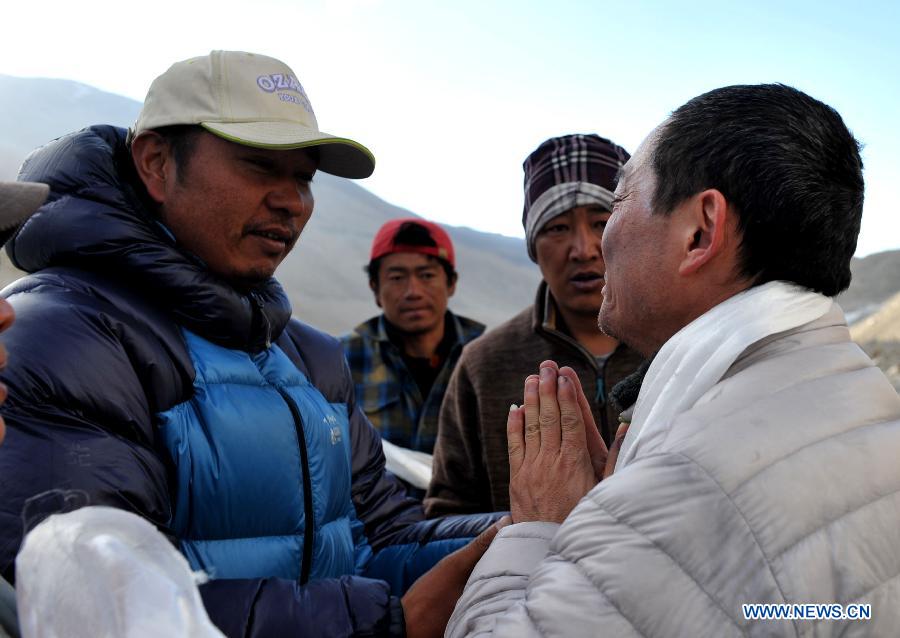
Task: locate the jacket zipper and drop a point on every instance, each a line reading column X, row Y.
column 310, row 523
column 267, row 327
column 600, row 396
column 600, row 374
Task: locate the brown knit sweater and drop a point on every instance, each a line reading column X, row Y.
column 471, row 466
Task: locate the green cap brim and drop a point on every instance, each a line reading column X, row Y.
column 337, row 155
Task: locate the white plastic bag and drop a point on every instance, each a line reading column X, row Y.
column 412, row 466
column 99, row 572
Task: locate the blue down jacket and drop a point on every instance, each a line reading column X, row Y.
column 145, row 382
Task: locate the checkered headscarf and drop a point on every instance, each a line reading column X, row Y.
column 566, row 172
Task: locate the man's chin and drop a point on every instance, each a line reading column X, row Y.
column 248, row 279
column 607, row 325
column 585, row 307
column 413, row 329
column 581, row 303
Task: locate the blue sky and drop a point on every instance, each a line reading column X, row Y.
column 452, row 96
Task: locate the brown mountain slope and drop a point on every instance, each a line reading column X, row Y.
column 879, row 336
column 324, row 274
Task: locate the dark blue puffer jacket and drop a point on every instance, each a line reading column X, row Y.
column 144, row 381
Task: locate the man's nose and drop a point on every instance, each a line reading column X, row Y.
column 291, row 198
column 585, row 245
column 413, row 288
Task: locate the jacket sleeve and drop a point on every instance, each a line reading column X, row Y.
column 79, row 410
column 327, row 608
column 458, row 484
column 404, row 545
column 381, row 501
column 636, row 557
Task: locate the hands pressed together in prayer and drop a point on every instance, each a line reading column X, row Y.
column 556, row 454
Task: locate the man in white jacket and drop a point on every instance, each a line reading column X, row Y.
column 760, row 467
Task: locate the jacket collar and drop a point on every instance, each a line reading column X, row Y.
column 95, row 220
column 547, row 320
column 546, row 317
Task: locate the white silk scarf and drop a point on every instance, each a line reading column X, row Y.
column 696, row 358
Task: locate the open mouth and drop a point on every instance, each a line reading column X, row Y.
column 587, row 281
column 284, row 237
column 587, row 276
column 274, row 240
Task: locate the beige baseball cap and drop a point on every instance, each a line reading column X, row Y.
column 250, row 99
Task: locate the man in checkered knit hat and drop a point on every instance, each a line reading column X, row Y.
column 569, row 183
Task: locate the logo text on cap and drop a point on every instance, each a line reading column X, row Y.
column 284, row 82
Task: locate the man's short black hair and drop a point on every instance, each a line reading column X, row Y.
column 411, row 234
column 182, row 139
column 786, row 163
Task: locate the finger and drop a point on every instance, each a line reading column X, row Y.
column 459, row 565
column 515, row 438
column 570, row 419
column 485, row 538
column 583, row 403
column 549, row 416
column 549, row 363
column 531, row 409
column 595, row 445
column 614, row 449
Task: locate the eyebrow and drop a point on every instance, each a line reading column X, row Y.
column 403, row 270
column 252, row 154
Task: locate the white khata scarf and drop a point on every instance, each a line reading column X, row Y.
column 694, row 360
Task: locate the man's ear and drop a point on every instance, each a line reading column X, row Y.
column 154, row 164
column 705, row 230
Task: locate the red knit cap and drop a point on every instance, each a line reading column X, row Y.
column 385, row 244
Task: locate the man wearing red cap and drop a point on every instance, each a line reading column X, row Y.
column 402, row 359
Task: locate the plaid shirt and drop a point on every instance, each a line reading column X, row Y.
column 387, row 391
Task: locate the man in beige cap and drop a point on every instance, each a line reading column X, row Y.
column 159, row 370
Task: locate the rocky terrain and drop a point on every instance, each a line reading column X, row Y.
column 879, row 336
